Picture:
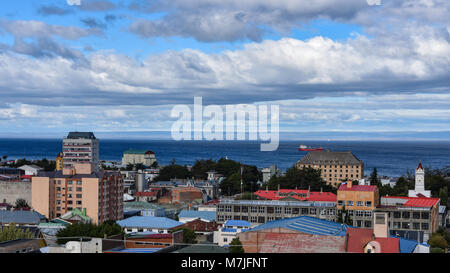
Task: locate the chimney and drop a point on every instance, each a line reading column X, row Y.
column 349, row 184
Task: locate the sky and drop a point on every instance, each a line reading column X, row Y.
column 121, row 66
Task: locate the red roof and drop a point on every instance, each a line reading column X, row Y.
column 213, row 202
column 26, row 176
column 152, row 236
column 343, row 187
column 146, row 193
column 420, row 202
column 358, row 239
column 420, row 165
column 301, row 195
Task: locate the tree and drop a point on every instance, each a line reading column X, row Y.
column 443, row 195
column 88, row 230
column 11, row 232
column 374, row 177
column 21, row 203
column 155, row 164
column 437, row 241
column 173, row 171
column 236, row 246
column 344, row 217
column 189, row 236
column 247, row 196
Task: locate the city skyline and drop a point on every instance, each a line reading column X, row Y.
column 111, row 66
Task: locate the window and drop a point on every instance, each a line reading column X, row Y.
column 340, row 202
column 396, row 214
column 379, row 219
column 359, row 213
column 220, row 208
column 305, row 211
column 295, row 210
column 416, row 215
column 253, row 209
column 405, row 215
column 69, row 182
column 287, row 210
column 425, row 215
column 237, row 217
column 262, row 209
column 368, row 213
column 425, row 226
column 78, row 202
column 368, row 203
column 416, row 225
column 269, row 209
column 79, row 189
column 227, row 208
column 261, row 220
column 244, row 218
column 244, row 209
column 367, row 224
column 79, row 196
column 278, row 210
column 79, row 183
column 405, row 225
column 225, row 239
column 237, row 209
column 349, row 203
column 359, row 203
column 220, row 218
column 69, row 188
column 253, row 219
column 270, row 218
column 312, row 211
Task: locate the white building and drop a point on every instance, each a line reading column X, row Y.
column 93, row 246
column 31, row 169
column 229, row 231
column 419, row 188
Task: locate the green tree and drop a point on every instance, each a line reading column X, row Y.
column 11, row 232
column 401, row 187
column 443, row 195
column 247, row 196
column 306, row 178
column 344, row 217
column 201, row 167
column 173, row 171
column 88, row 230
column 374, row 177
column 189, row 236
column 236, row 246
column 21, row 203
column 438, row 241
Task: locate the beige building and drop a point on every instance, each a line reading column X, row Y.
column 99, row 192
column 80, row 147
column 138, row 157
column 336, row 167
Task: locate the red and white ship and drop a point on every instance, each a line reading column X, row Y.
column 308, row 149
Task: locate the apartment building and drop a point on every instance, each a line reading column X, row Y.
column 359, row 201
column 336, row 167
column 100, row 193
column 80, row 147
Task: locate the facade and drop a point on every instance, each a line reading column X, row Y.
column 155, row 240
column 411, row 217
column 296, row 195
column 100, row 193
column 147, row 158
column 186, row 194
column 260, row 212
column 359, row 201
column 80, row 147
column 229, row 231
column 335, row 167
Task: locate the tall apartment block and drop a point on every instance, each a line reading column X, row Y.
column 99, row 192
column 336, row 167
column 80, row 147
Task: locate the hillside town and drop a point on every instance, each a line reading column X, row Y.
column 325, row 203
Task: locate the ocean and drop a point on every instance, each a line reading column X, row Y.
column 391, row 158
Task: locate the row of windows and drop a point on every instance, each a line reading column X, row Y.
column 332, row 166
column 358, row 203
column 270, row 210
column 69, row 195
column 357, row 171
column 70, row 202
column 414, row 215
column 407, row 225
column 69, row 189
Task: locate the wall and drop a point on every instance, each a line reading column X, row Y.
column 13, row 190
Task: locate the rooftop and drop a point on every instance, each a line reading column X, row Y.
column 306, row 224
column 237, row 223
column 83, row 135
column 20, row 217
column 301, row 195
column 343, row 187
column 149, row 222
column 419, row 202
column 328, row 157
column 207, row 215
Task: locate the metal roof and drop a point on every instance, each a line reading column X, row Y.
column 20, row 217
column 328, row 157
column 207, row 215
column 149, row 222
column 306, row 224
column 237, row 223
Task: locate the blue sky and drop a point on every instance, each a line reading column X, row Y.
column 331, row 65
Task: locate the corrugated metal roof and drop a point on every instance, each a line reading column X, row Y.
column 207, row 215
column 328, row 157
column 306, row 224
column 237, row 223
column 421, row 202
column 20, row 217
column 343, row 187
column 149, row 222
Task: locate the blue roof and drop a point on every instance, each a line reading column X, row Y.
column 135, row 250
column 306, row 224
column 229, row 230
column 237, row 223
column 206, row 215
column 149, row 222
column 21, row 217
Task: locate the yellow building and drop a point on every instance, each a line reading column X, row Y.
column 59, row 162
column 336, row 167
column 360, row 201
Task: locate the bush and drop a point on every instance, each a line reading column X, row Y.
column 436, row 250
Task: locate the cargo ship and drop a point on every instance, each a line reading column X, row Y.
column 308, row 149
